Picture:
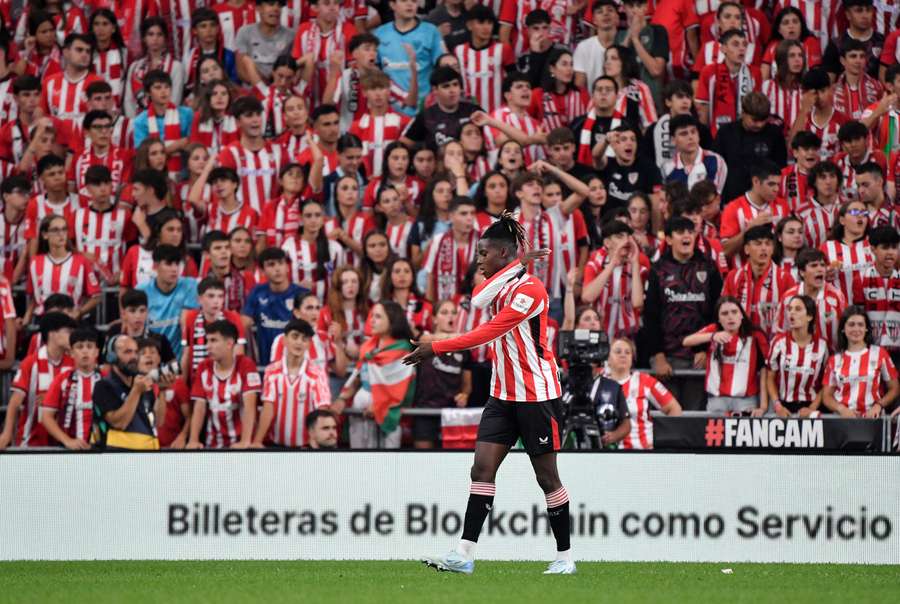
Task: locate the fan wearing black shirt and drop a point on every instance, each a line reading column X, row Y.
column 443, row 121
column 624, row 173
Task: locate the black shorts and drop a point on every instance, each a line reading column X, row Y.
column 504, row 422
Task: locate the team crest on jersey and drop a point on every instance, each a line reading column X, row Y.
column 633, row 177
column 701, row 276
column 605, row 396
column 522, row 303
column 253, row 379
column 289, row 304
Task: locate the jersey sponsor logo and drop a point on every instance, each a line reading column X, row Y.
column 522, row 303
column 253, row 379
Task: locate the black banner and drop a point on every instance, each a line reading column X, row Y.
column 768, row 433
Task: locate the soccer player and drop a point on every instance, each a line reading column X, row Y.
column 293, row 387
column 524, row 399
column 32, row 381
column 67, row 409
column 211, row 295
column 224, row 390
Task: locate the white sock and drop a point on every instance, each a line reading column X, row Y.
column 466, row 549
column 566, row 555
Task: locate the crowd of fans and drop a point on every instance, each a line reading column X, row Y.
column 224, row 222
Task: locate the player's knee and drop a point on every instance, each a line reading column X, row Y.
column 548, row 481
column 482, row 472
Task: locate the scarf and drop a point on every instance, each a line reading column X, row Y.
column 171, row 132
column 312, row 43
column 586, row 138
column 726, row 99
column 451, row 262
column 393, row 384
column 217, row 134
column 110, row 65
column 141, row 68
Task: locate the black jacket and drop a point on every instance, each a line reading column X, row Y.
column 743, row 149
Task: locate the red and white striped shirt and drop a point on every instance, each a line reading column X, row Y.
column 785, row 102
column 852, row 101
column 860, row 377
column 9, row 109
column 293, row 144
column 224, row 398
column 794, row 187
column 7, row 311
column 711, row 52
column 849, row 260
column 643, row 393
column 103, row 235
column 40, row 207
column 880, row 296
column 112, row 65
column 357, row 227
column 117, row 160
column 817, row 221
column 618, row 317
column 71, row 396
column 467, row 319
column 12, row 243
column 311, row 39
column 483, row 71
column 232, row 18
column 215, row 134
column 65, row 99
column 226, row 221
column 541, row 234
column 447, row 261
column 320, row 353
column 759, row 296
column 281, row 220
column 71, row 275
column 732, row 369
column 294, row 397
column 635, row 104
column 302, row 256
column 258, row 171
column 558, row 110
column 194, row 333
column 737, row 215
column 398, row 237
column 827, row 132
column 830, row 305
column 524, row 123
column 513, row 13
column 376, row 133
column 273, row 100
column 820, row 15
column 33, row 379
column 798, row 370
column 524, row 367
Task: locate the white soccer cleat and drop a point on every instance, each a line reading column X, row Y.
column 561, row 567
column 452, row 562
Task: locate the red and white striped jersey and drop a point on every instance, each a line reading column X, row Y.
column 798, row 369
column 281, row 220
column 294, row 397
column 446, row 263
column 193, row 333
column 357, row 227
column 785, row 102
column 9, row 109
column 711, row 52
column 232, row 18
column 812, row 52
column 117, row 160
column 848, row 181
column 376, row 133
column 759, row 296
column 618, row 317
column 513, row 13
column 12, row 243
column 224, row 396
column 817, row 221
column 226, row 221
column 7, row 311
column 886, row 215
column 258, row 170
column 71, row 396
column 849, row 260
column 860, row 377
column 524, row 367
column 737, row 215
column 321, row 350
column 214, row 134
column 302, row 256
column 558, row 110
column 821, row 16
column 65, row 99
column 830, row 305
column 880, row 296
column 541, row 234
column 103, row 235
column 524, row 123
column 273, row 100
column 886, row 12
column 72, row 275
column 351, row 101
column 467, row 319
column 570, row 230
column 643, row 393
column 414, row 185
column 40, row 207
column 483, row 71
column 292, row 144
column 112, row 65
column 853, row 100
column 33, row 378
column 827, row 132
column 311, row 39
column 399, row 236
column 354, row 320
column 732, row 369
column 794, row 187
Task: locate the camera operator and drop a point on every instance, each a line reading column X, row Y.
column 124, row 401
column 611, row 411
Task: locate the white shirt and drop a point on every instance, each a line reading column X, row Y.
column 588, row 59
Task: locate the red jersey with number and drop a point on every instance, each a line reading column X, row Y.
column 294, row 397
column 860, row 377
column 224, row 396
column 71, row 396
column 524, row 366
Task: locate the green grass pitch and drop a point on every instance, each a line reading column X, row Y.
column 400, row 582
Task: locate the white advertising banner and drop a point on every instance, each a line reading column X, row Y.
column 348, row 505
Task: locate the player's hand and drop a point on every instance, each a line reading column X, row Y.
column 532, row 255
column 423, row 352
column 76, row 444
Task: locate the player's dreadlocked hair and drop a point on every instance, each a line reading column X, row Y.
column 506, row 231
